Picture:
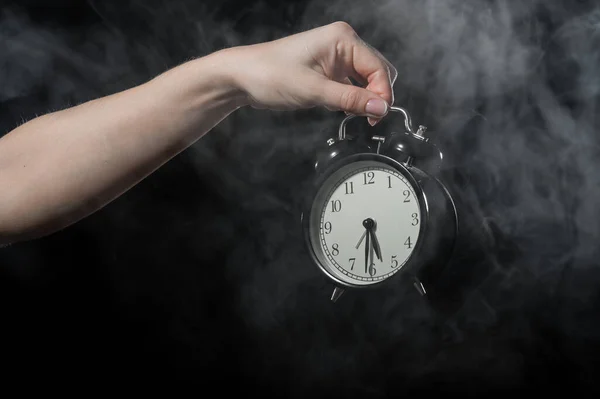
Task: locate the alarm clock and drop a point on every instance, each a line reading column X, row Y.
column 376, row 212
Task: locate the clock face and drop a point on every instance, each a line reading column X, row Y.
column 365, row 223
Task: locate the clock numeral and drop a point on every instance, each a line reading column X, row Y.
column 389, row 181
column 372, row 270
column 335, row 250
column 370, row 176
column 408, row 243
column 349, row 187
column 352, row 261
column 394, row 261
column 406, row 194
column 415, row 219
column 336, row 206
column 327, row 227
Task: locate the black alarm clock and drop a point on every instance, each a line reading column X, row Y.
column 376, row 211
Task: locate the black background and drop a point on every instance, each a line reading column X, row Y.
column 197, row 277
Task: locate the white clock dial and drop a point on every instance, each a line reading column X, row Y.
column 358, row 196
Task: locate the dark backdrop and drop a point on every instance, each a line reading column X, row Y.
column 197, row 277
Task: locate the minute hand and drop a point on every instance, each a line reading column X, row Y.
column 367, row 248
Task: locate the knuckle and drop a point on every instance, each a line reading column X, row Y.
column 350, row 99
column 343, row 28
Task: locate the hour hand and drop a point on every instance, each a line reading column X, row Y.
column 376, row 245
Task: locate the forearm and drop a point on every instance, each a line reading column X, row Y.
column 61, row 167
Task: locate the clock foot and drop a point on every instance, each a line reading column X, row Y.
column 419, row 286
column 337, row 293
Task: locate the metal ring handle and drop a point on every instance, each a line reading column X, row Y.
column 407, row 122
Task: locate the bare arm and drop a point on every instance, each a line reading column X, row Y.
column 61, row 167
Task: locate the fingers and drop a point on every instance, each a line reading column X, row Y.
column 374, row 69
column 366, row 65
column 352, row 99
column 392, row 71
column 346, row 81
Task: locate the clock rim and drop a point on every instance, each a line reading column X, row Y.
column 310, row 197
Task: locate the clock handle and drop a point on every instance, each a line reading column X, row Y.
column 407, row 123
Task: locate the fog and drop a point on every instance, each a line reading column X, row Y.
column 508, row 89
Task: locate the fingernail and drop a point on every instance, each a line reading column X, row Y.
column 376, row 107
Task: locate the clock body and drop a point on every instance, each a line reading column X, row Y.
column 372, row 217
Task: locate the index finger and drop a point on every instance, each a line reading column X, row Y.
column 373, row 69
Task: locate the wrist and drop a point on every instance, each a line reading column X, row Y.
column 193, row 97
column 221, row 68
column 228, row 63
column 203, row 84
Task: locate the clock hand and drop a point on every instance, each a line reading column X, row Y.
column 368, row 224
column 372, row 262
column 376, row 245
column 361, row 239
column 367, row 245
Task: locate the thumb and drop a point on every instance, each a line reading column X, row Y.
column 353, row 99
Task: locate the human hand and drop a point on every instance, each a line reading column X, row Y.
column 312, row 68
column 121, row 138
